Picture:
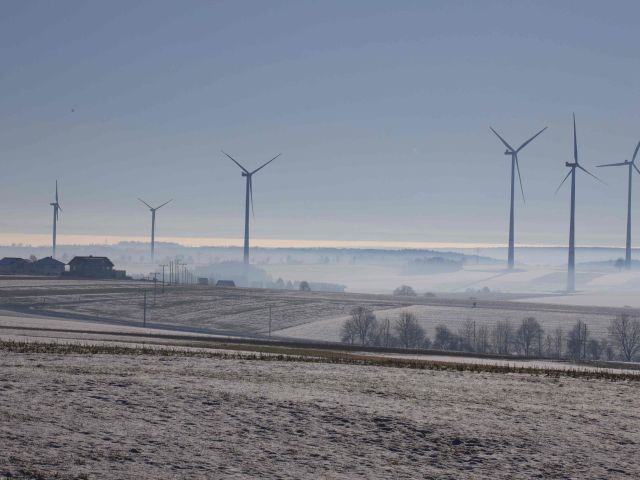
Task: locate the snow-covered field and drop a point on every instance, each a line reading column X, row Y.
column 77, row 332
column 304, row 315
column 616, row 300
column 123, row 416
column 238, row 310
column 430, row 316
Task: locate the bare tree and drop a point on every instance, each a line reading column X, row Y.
column 482, row 341
column 502, row 336
column 467, row 334
column 404, row 291
column 528, row 335
column 577, row 341
column 380, row 335
column 349, row 332
column 364, row 321
column 384, row 329
column 607, row 349
column 410, row 333
column 624, row 332
column 445, row 339
column 558, row 341
column 594, row 349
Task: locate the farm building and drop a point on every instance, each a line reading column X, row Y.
column 92, row 267
column 225, row 283
column 15, row 266
column 48, row 266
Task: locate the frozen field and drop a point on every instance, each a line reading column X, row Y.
column 430, row 316
column 238, row 310
column 45, row 331
column 294, row 314
column 123, row 416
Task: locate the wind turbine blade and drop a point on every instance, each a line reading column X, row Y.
column 612, row 164
column 56, row 191
column 264, row 165
column 635, row 152
column 575, row 140
column 634, row 166
column 235, row 161
column 158, row 208
column 520, row 179
column 589, row 173
column 562, row 182
column 253, row 212
column 502, row 140
column 529, row 141
column 150, row 207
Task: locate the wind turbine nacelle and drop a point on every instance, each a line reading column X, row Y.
column 508, row 152
column 570, row 164
column 244, row 174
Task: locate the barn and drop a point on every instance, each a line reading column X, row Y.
column 91, row 267
column 48, row 266
column 15, row 266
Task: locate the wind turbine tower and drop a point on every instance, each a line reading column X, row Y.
column 515, row 166
column 248, row 200
column 56, row 208
column 153, row 223
column 571, row 266
column 631, row 165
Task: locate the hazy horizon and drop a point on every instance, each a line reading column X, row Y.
column 44, row 240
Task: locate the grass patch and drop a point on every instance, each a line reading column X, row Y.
column 285, row 354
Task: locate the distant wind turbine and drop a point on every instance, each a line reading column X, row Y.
column 248, row 199
column 153, row 223
column 571, row 267
column 514, row 166
column 632, row 165
column 56, row 208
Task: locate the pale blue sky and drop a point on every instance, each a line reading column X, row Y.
column 381, row 110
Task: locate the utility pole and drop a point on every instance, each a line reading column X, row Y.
column 163, row 277
column 155, row 286
column 144, row 310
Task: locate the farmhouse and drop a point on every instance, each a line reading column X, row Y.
column 92, row 267
column 48, row 266
column 15, row 266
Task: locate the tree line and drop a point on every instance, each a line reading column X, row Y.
column 526, row 338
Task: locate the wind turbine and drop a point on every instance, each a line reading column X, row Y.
column 515, row 166
column 56, row 208
column 153, row 223
column 571, row 267
column 631, row 164
column 248, row 199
